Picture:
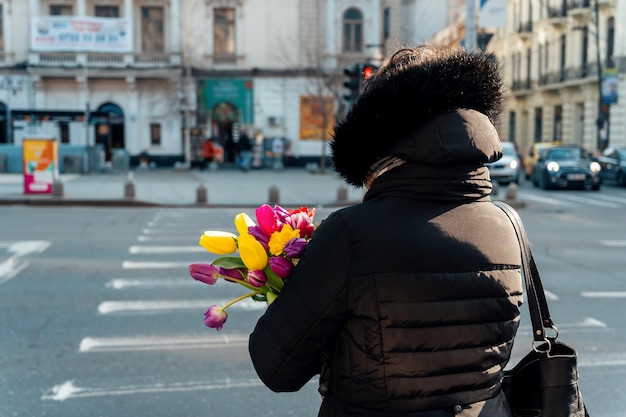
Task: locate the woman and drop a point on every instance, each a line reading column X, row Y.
column 409, row 301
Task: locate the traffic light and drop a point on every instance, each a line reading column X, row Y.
column 353, row 82
column 368, row 70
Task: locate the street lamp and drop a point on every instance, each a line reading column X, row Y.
column 600, row 119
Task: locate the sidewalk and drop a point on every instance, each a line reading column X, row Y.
column 170, row 187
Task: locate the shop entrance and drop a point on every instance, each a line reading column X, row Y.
column 110, row 129
column 224, row 127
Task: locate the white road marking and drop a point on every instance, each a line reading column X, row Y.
column 108, row 344
column 19, row 249
column 164, row 249
column 546, row 200
column 603, row 294
column 68, row 390
column 122, row 283
column 168, row 239
column 591, row 201
column 614, row 243
column 550, row 295
column 140, row 306
column 161, row 231
column 155, row 265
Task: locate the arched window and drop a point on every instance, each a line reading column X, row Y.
column 352, row 30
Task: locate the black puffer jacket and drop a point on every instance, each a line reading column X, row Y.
column 414, row 293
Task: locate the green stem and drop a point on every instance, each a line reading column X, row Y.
column 239, row 281
column 241, row 298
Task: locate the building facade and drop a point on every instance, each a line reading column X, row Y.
column 564, row 62
column 156, row 78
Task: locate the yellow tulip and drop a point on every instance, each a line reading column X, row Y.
column 242, row 222
column 219, row 243
column 252, row 252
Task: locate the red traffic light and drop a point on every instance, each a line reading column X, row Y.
column 367, row 71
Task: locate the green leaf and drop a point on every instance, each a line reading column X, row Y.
column 229, row 262
column 259, row 297
column 274, row 282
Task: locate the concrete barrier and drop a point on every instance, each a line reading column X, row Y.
column 274, row 196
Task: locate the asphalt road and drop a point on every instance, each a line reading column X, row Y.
column 98, row 316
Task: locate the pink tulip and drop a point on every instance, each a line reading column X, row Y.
column 303, row 222
column 267, row 219
column 206, row 273
column 281, row 266
column 215, row 317
column 257, row 278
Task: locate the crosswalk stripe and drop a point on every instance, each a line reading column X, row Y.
column 164, row 249
column 108, row 344
column 603, row 294
column 152, row 306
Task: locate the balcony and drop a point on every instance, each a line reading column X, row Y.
column 557, row 17
column 6, row 59
column 103, row 60
column 524, row 30
column 579, row 9
column 607, row 3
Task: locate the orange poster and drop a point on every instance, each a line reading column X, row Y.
column 313, row 111
column 40, row 159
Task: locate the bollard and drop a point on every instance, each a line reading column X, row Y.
column 342, row 194
column 202, row 196
column 129, row 187
column 274, row 196
column 511, row 192
column 57, row 188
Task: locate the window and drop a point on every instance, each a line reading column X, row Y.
column 152, row 36
column 528, row 66
column 558, row 123
column 386, row 22
column 563, row 56
column 585, row 52
column 1, row 29
column 107, row 11
column 155, row 134
column 353, row 30
column 538, row 123
column 224, row 31
column 610, row 42
column 64, row 132
column 512, row 126
column 61, row 10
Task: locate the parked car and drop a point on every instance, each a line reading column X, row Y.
column 507, row 168
column 613, row 164
column 531, row 156
column 566, row 167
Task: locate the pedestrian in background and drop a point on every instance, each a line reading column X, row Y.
column 244, row 151
column 407, row 303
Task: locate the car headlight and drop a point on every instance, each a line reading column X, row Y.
column 513, row 164
column 595, row 167
column 553, row 166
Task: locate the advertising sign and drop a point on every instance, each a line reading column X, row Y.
column 80, row 34
column 610, row 84
column 237, row 92
column 40, row 159
column 313, row 112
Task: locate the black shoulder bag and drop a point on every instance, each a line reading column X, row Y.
column 545, row 382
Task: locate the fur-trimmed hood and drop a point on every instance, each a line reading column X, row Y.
column 399, row 99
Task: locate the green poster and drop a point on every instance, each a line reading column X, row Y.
column 237, row 92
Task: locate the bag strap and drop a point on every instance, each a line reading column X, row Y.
column 537, row 304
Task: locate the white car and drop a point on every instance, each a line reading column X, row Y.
column 507, row 169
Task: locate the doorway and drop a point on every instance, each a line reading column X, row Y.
column 224, row 126
column 110, row 129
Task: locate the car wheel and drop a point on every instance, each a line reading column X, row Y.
column 621, row 179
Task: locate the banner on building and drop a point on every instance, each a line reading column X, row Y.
column 314, row 111
column 40, row 165
column 492, row 14
column 80, row 34
column 218, row 96
column 610, row 83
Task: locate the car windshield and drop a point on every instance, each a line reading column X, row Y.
column 563, row 154
column 622, row 153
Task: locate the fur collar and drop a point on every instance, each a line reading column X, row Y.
column 396, row 102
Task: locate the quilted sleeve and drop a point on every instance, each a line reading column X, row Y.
column 289, row 340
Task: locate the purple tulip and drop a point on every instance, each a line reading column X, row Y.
column 295, row 247
column 259, row 235
column 215, row 317
column 234, row 273
column 257, row 278
column 282, row 214
column 206, row 273
column 281, row 266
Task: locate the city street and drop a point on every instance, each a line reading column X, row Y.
column 99, row 317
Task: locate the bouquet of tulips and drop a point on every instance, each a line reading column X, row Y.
column 267, row 250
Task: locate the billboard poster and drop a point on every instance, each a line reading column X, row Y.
column 610, row 84
column 314, row 111
column 80, row 34
column 40, row 165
